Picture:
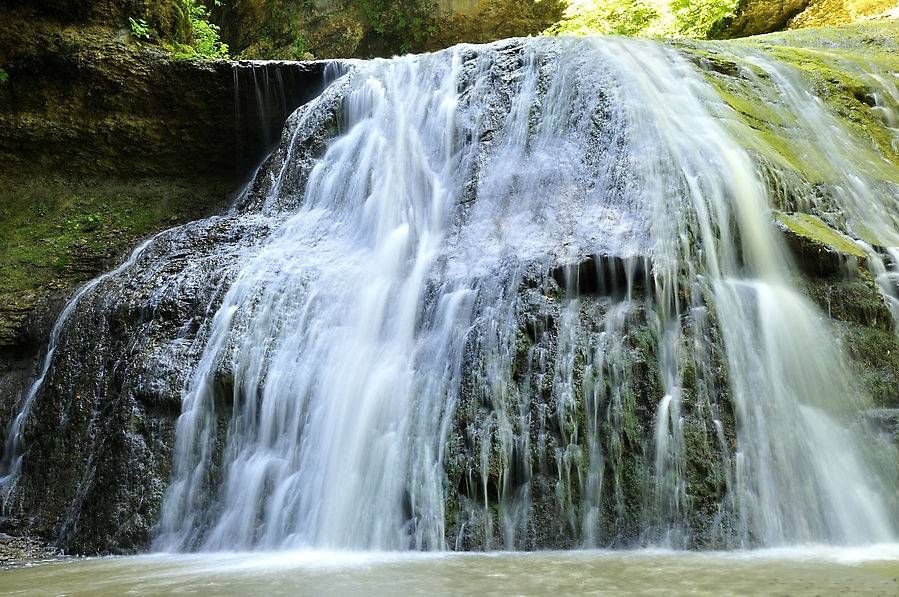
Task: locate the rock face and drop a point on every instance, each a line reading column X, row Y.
column 106, row 142
column 124, row 417
column 755, row 17
column 103, row 142
column 344, row 28
column 165, row 16
column 842, row 278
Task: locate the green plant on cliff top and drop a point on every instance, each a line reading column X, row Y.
column 207, row 43
column 139, row 28
column 404, row 22
column 693, row 18
column 606, row 17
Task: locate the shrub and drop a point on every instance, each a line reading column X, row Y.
column 139, row 28
column 207, row 43
column 612, row 17
column 695, row 18
column 402, row 24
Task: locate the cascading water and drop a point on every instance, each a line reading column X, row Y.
column 520, row 295
column 347, row 330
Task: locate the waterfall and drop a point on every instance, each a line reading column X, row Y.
column 345, row 335
column 521, row 295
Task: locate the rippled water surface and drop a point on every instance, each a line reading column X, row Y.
column 869, row 571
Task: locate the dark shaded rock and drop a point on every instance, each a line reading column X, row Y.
column 104, row 143
column 604, row 275
column 169, row 18
column 103, row 425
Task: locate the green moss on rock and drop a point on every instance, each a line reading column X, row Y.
column 874, row 357
column 812, row 229
column 56, row 233
column 48, row 228
column 840, row 65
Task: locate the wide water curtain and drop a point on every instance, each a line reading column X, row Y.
column 515, row 298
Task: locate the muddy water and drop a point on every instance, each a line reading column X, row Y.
column 825, row 571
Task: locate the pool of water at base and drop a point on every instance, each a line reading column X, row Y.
column 871, row 570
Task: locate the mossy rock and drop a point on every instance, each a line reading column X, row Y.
column 874, row 356
column 57, row 233
column 819, row 248
column 839, row 65
column 168, row 19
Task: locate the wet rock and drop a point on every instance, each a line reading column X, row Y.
column 604, row 275
column 885, row 420
column 104, row 142
column 103, row 425
column 17, row 551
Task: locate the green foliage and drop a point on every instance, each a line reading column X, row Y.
column 207, row 43
column 3, row 75
column 139, row 28
column 300, row 46
column 607, row 17
column 403, row 24
column 695, row 18
column 201, row 41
